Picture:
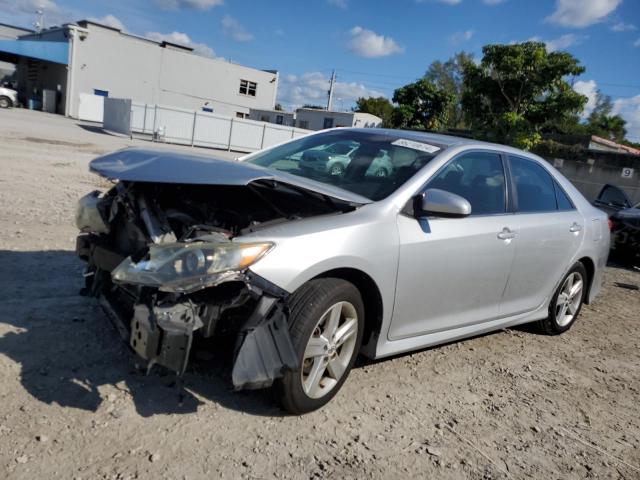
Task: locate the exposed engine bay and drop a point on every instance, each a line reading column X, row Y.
column 162, row 259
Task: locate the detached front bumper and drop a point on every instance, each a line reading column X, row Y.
column 160, row 328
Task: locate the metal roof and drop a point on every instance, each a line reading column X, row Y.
column 56, row 52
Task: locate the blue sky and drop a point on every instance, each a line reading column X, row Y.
column 375, row 46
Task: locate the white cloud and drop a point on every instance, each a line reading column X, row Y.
column 582, row 13
column 368, row 44
column 448, row 2
column 311, row 88
column 460, row 37
column 28, row 6
column 184, row 40
column 589, row 89
column 623, row 27
column 564, row 41
column 234, row 29
column 629, row 109
column 493, row 2
column 189, row 4
column 636, row 43
column 343, row 4
column 110, row 21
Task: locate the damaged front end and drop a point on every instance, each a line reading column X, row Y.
column 164, row 261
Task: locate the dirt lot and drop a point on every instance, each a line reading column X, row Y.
column 513, row 404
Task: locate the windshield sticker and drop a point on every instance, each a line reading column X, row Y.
column 423, row 147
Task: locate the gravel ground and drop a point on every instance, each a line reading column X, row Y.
column 514, row 404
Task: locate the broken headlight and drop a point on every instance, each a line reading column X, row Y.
column 89, row 218
column 186, row 267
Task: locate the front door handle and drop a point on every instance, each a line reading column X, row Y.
column 506, row 234
column 575, row 228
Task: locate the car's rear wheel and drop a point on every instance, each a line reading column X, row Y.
column 567, row 301
column 5, row 102
column 326, row 325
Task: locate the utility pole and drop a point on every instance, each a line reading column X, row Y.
column 39, row 23
column 331, row 83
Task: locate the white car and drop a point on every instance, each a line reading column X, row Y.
column 8, row 97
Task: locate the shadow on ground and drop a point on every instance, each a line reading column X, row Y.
column 95, row 129
column 67, row 349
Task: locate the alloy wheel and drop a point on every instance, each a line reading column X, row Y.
column 329, row 349
column 569, row 299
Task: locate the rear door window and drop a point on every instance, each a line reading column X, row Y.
column 478, row 177
column 534, row 186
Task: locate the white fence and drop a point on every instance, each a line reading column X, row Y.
column 189, row 127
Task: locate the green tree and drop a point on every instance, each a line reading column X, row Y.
column 448, row 76
column 600, row 122
column 378, row 106
column 519, row 90
column 278, row 107
column 421, row 106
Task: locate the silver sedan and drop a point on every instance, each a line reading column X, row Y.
column 308, row 269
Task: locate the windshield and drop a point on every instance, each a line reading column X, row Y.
column 372, row 164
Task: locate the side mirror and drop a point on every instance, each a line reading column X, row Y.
column 441, row 203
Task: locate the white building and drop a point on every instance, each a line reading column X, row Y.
column 9, row 32
column 316, row 119
column 273, row 116
column 86, row 59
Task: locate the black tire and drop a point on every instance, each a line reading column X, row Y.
column 5, row 102
column 552, row 325
column 308, row 304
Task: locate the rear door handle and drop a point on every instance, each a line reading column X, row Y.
column 575, row 228
column 506, row 234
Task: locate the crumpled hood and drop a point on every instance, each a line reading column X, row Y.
column 158, row 166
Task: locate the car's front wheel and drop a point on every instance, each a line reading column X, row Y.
column 336, row 170
column 5, row 102
column 567, row 301
column 326, row 326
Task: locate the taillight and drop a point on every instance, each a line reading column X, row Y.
column 610, row 223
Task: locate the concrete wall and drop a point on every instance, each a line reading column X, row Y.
column 131, row 67
column 590, row 174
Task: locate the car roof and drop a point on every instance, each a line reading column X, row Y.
column 443, row 140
